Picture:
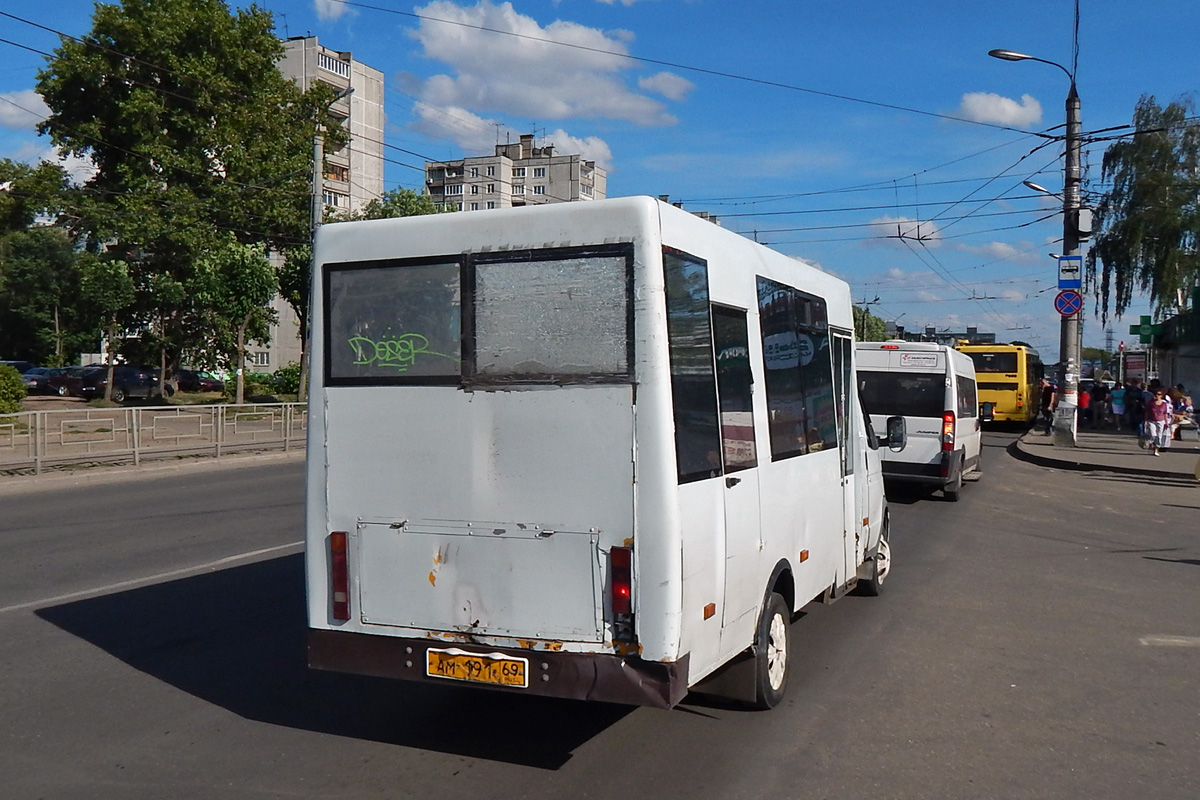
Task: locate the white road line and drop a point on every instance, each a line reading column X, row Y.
column 1171, row 641
column 149, row 579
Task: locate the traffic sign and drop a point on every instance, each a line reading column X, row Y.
column 1070, row 272
column 1068, row 302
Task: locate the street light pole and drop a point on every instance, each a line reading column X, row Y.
column 1065, row 422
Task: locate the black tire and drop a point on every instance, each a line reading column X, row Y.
column 62, row 391
column 881, row 566
column 772, row 663
column 118, row 395
column 168, row 390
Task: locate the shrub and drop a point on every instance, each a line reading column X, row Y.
column 287, row 379
column 12, row 390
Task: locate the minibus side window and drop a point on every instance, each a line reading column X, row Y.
column 968, row 405
column 735, row 386
column 798, row 370
column 693, row 375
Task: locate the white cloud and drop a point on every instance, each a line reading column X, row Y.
column 614, row 2
column 1021, row 252
column 994, row 108
column 668, row 84
column 590, row 148
column 22, row 110
column 331, row 9
column 896, row 231
column 525, row 74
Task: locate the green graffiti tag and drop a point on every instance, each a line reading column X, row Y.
column 398, row 352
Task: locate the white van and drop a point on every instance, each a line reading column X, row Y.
column 932, row 387
column 589, row 450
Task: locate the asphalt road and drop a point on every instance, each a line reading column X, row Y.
column 1038, row 639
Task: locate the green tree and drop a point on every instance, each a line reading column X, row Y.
column 240, row 282
column 195, row 134
column 28, row 192
column 1149, row 219
column 396, row 203
column 39, row 314
column 867, row 327
column 12, row 390
column 107, row 289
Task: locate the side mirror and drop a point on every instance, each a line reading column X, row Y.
column 987, row 411
column 897, row 434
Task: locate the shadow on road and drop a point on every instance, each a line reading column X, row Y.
column 1195, row 562
column 236, row 638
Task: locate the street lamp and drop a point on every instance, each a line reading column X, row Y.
column 1069, row 344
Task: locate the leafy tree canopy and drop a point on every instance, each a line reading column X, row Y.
column 868, row 327
column 1149, row 220
column 29, row 192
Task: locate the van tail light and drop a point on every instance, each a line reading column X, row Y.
column 339, row 576
column 620, row 563
column 948, row 431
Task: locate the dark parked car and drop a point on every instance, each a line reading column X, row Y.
column 127, row 382
column 68, row 381
column 37, row 379
column 194, row 381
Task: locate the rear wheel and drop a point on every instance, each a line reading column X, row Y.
column 771, row 661
column 118, row 395
column 952, row 490
column 62, row 391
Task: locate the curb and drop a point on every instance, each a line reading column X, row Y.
column 1075, row 465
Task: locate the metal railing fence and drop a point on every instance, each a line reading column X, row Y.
column 34, row 441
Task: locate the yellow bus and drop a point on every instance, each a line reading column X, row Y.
column 1009, row 377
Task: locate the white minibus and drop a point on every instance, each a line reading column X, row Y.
column 932, row 386
column 594, row 450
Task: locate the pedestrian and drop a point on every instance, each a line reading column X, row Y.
column 1157, row 423
column 1049, row 402
column 1099, row 404
column 1085, row 407
column 1134, row 407
column 1117, row 401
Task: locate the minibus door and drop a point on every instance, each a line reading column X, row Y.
column 854, row 498
column 735, row 386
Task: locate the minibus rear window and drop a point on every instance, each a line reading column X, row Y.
column 994, row 362
column 905, row 394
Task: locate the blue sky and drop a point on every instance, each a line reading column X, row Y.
column 821, row 129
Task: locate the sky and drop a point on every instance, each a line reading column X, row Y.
column 876, row 140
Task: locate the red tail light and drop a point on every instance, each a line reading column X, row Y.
column 948, row 430
column 339, row 576
column 621, row 561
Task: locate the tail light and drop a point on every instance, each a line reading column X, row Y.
column 339, row 576
column 948, row 431
column 620, row 562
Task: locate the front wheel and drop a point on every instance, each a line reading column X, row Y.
column 118, row 395
column 62, row 391
column 881, row 565
column 771, row 661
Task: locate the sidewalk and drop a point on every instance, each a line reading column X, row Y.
column 1110, row 451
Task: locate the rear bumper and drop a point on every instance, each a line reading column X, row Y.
column 575, row 676
column 942, row 472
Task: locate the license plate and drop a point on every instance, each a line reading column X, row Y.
column 493, row 668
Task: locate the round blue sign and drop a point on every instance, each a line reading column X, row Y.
column 1068, row 302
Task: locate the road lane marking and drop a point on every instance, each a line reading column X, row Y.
column 149, row 579
column 1171, row 641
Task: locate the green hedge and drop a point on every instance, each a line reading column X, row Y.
column 12, row 390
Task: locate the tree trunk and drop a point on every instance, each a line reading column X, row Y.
column 241, row 361
column 112, row 367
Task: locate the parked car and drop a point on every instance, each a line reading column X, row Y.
column 128, row 381
column 195, row 381
column 37, row 379
column 66, row 382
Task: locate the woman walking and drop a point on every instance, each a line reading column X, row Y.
column 1158, row 422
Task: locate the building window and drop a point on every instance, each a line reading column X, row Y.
column 539, row 190
column 454, row 188
column 474, row 189
column 458, row 206
column 585, row 190
column 518, row 172
column 491, row 188
column 335, row 199
column 474, row 206
column 491, row 204
column 519, row 189
column 474, row 172
column 333, row 172
column 261, row 359
column 539, row 172
column 491, row 172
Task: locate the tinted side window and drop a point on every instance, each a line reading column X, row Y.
column 693, row 375
column 798, row 370
column 968, row 405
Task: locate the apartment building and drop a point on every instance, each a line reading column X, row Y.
column 353, row 174
column 518, row 174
